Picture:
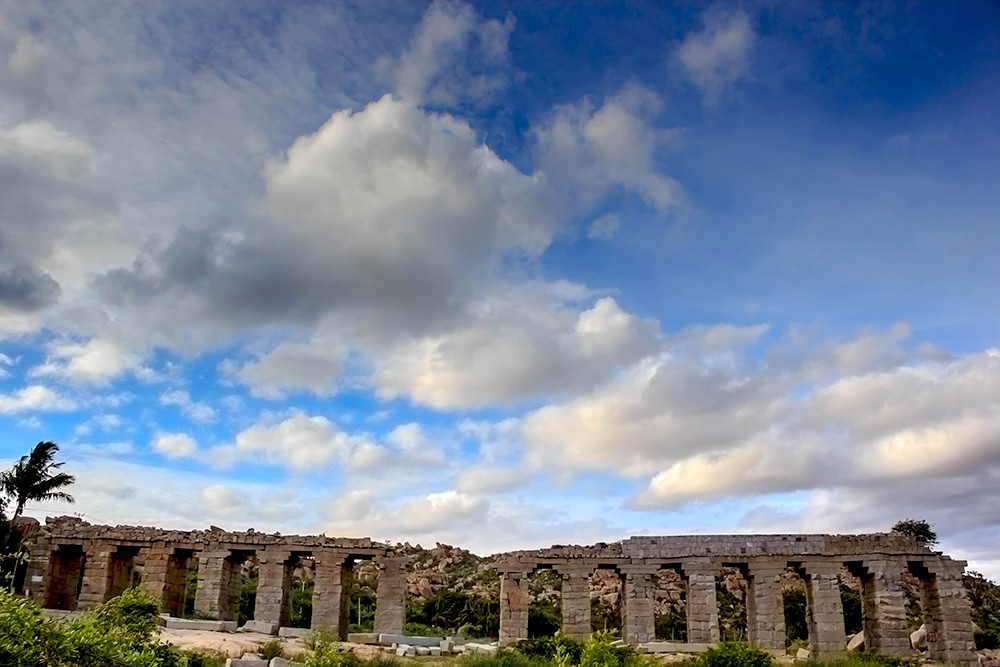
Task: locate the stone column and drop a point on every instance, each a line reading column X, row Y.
column 884, row 604
column 702, row 604
column 765, row 604
column 638, row 608
column 825, row 611
column 946, row 606
column 576, row 602
column 218, row 585
column 272, row 602
column 96, row 575
column 158, row 580
column 514, row 603
column 390, row 603
column 328, row 593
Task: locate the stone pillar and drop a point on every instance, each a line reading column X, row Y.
column 158, row 581
column 514, row 603
column 273, row 575
column 884, row 604
column 948, row 614
column 390, row 603
column 702, row 604
column 638, row 607
column 825, row 611
column 218, row 585
column 576, row 603
column 328, row 595
column 765, row 604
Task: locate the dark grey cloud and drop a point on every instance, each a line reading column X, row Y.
column 26, row 289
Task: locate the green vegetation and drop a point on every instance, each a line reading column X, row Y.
column 985, row 598
column 326, row 652
column 118, row 633
column 796, row 623
column 450, row 612
column 271, row 649
column 919, row 529
column 734, row 654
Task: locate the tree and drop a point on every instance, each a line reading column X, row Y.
column 918, row 529
column 36, row 477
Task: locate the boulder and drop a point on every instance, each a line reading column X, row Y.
column 918, row 638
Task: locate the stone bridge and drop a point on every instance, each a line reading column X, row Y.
column 78, row 565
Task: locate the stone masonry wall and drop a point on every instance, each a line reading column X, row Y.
column 73, row 555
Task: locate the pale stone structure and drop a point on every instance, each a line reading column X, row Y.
column 78, row 565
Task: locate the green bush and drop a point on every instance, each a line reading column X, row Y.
column 448, row 612
column 117, row 633
column 503, row 658
column 796, row 624
column 271, row 649
column 544, row 619
column 547, row 647
column 735, row 654
column 671, row 625
column 866, row 659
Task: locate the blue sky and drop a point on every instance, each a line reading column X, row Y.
column 506, row 275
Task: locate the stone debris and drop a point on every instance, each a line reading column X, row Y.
column 803, row 654
column 856, row 642
column 261, row 627
column 918, row 638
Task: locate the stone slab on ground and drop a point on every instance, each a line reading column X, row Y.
column 856, row 643
column 245, row 662
column 675, row 647
column 174, row 623
column 225, row 644
column 473, row 647
column 362, row 637
column 284, row 662
column 389, row 639
column 298, row 633
column 263, row 627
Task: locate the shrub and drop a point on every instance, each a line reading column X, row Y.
column 549, row 647
column 735, row 654
column 503, row 658
column 271, row 649
column 133, row 612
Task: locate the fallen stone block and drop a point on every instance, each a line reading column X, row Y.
column 362, row 637
column 386, row 638
column 285, row 662
column 473, row 647
column 423, row 650
column 175, row 623
column 245, row 662
column 856, row 643
column 674, row 647
column 405, row 650
column 918, row 638
column 294, row 633
column 803, row 654
column 262, row 627
column 436, row 652
column 446, row 645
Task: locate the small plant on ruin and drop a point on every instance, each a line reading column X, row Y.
column 270, row 650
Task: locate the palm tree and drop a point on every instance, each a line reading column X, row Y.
column 36, row 477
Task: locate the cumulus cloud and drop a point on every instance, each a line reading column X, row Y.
column 442, row 512
column 35, row 398
column 718, row 55
column 175, row 445
column 291, row 366
column 24, row 288
column 585, row 150
column 516, row 346
column 199, row 411
column 454, row 56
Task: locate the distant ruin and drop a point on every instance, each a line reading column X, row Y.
column 76, row 565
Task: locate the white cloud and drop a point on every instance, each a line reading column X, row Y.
column 292, row 366
column 356, row 512
column 604, row 227
column 175, row 445
column 719, row 55
column 199, row 411
column 585, row 150
column 35, row 398
column 516, row 346
column 454, row 56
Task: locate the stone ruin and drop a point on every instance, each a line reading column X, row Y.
column 76, row 565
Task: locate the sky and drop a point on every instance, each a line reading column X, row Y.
column 506, row 275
